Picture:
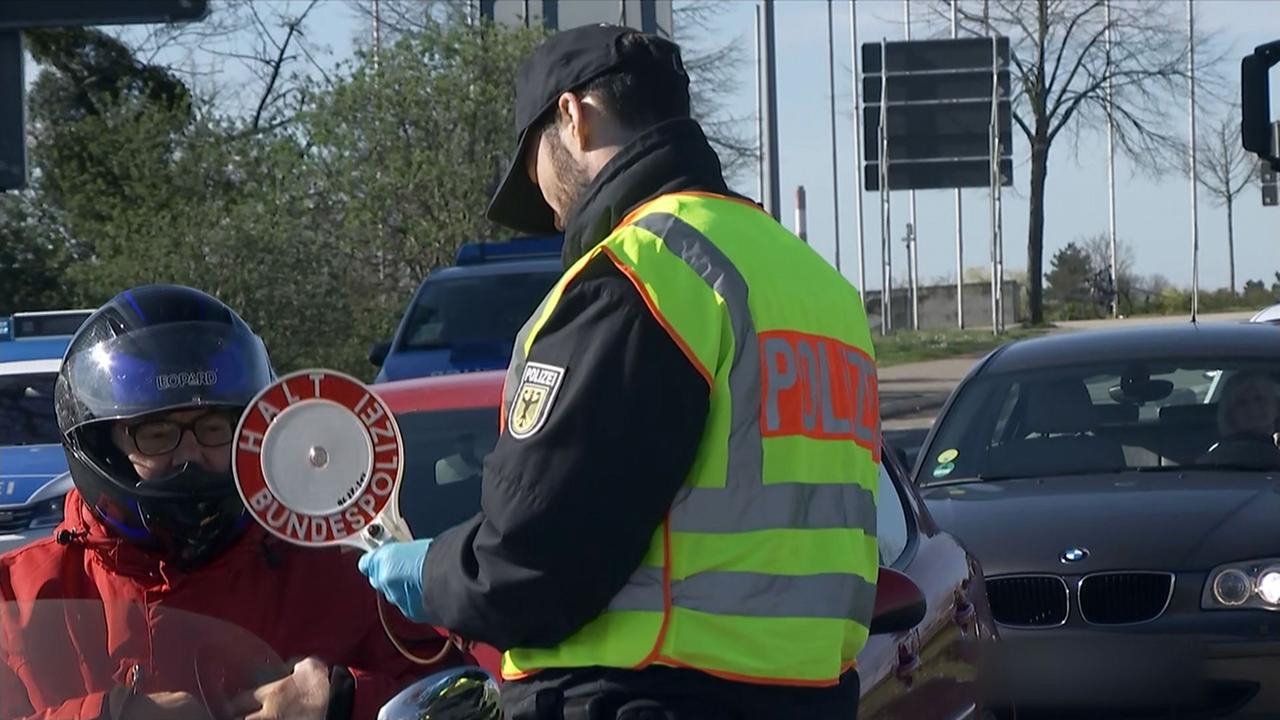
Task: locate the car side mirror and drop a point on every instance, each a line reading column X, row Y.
column 464, row 693
column 378, row 353
column 900, row 604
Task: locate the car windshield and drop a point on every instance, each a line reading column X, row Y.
column 26, row 409
column 47, row 325
column 444, row 452
column 487, row 308
column 1138, row 416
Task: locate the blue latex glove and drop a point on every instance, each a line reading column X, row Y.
column 395, row 570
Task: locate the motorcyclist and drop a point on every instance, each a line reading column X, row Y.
column 147, row 401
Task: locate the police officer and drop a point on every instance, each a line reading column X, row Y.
column 678, row 519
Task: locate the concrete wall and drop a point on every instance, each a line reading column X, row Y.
column 938, row 306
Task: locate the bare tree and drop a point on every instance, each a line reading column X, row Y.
column 1098, row 247
column 268, row 40
column 1061, row 67
column 1225, row 170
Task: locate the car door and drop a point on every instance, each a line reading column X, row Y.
column 929, row 671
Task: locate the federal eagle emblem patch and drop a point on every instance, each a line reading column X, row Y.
column 534, row 397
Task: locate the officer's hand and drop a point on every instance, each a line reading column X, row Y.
column 395, row 570
column 302, row 695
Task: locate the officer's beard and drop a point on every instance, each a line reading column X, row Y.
column 572, row 179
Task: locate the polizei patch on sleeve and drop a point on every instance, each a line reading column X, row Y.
column 539, row 384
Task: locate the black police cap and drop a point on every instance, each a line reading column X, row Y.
column 563, row 63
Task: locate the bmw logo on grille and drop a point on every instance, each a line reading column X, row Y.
column 1074, row 554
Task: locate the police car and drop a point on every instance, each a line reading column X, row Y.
column 465, row 318
column 33, row 468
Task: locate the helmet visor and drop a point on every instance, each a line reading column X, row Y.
column 188, row 364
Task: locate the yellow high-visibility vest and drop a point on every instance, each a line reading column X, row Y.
column 764, row 570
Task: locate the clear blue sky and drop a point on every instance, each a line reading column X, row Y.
column 1153, row 217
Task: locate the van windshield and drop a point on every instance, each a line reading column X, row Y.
column 487, row 308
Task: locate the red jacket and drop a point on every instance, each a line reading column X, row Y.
column 59, row 659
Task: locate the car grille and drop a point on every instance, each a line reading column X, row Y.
column 1028, row 600
column 1124, row 598
column 15, row 519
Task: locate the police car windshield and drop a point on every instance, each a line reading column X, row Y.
column 26, row 409
column 50, row 324
column 481, row 309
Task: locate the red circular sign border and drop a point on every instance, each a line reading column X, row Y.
column 301, row 386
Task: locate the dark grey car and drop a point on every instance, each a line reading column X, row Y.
column 1121, row 489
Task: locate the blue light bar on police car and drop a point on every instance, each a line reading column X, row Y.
column 6, row 329
column 521, row 248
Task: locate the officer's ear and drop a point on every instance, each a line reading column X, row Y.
column 576, row 123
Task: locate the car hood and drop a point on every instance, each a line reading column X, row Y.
column 1126, row 521
column 24, row 469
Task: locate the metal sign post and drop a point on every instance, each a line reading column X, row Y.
column 802, row 227
column 1111, row 175
column 760, row 129
column 886, row 231
column 1195, row 222
column 857, row 146
column 994, row 140
column 913, row 270
column 959, row 221
column 913, row 267
column 910, row 241
column 831, row 103
column 772, row 182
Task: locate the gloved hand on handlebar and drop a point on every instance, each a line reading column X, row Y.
column 395, row 570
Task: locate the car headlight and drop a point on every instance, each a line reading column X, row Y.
column 49, row 501
column 48, row 513
column 1253, row 585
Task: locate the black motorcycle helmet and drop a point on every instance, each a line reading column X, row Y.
column 153, row 349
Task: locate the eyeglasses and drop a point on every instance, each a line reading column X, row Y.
column 158, row 437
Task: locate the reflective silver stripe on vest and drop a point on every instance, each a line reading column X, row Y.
column 746, row 447
column 782, row 506
column 515, row 369
column 830, row 595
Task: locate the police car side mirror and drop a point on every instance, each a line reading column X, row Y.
column 900, row 604
column 378, row 353
column 465, row 693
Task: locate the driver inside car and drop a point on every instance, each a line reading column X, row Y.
column 92, row 619
column 1247, row 414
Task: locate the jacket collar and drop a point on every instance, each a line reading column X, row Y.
column 81, row 527
column 673, row 156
